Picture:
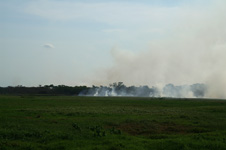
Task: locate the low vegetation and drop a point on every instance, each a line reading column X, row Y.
column 111, row 123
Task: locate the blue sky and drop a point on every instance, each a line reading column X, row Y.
column 71, row 41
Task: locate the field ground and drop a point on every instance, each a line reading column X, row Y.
column 111, row 123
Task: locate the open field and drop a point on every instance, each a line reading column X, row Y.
column 111, row 123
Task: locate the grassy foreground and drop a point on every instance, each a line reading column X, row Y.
column 107, row 123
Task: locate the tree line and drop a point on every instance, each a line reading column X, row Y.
column 43, row 90
column 115, row 89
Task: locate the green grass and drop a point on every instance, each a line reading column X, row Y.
column 111, row 123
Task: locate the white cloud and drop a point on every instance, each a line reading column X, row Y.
column 48, row 45
column 105, row 12
column 135, row 18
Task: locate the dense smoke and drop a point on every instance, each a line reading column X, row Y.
column 190, row 49
column 169, row 90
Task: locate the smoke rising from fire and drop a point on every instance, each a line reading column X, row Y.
column 192, row 49
column 169, row 90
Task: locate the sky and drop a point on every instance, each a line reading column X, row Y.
column 98, row 42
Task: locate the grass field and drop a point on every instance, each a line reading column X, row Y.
column 111, row 123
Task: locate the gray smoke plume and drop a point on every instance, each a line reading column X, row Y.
column 192, row 50
column 169, row 90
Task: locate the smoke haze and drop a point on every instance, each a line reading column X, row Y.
column 169, row 90
column 191, row 49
